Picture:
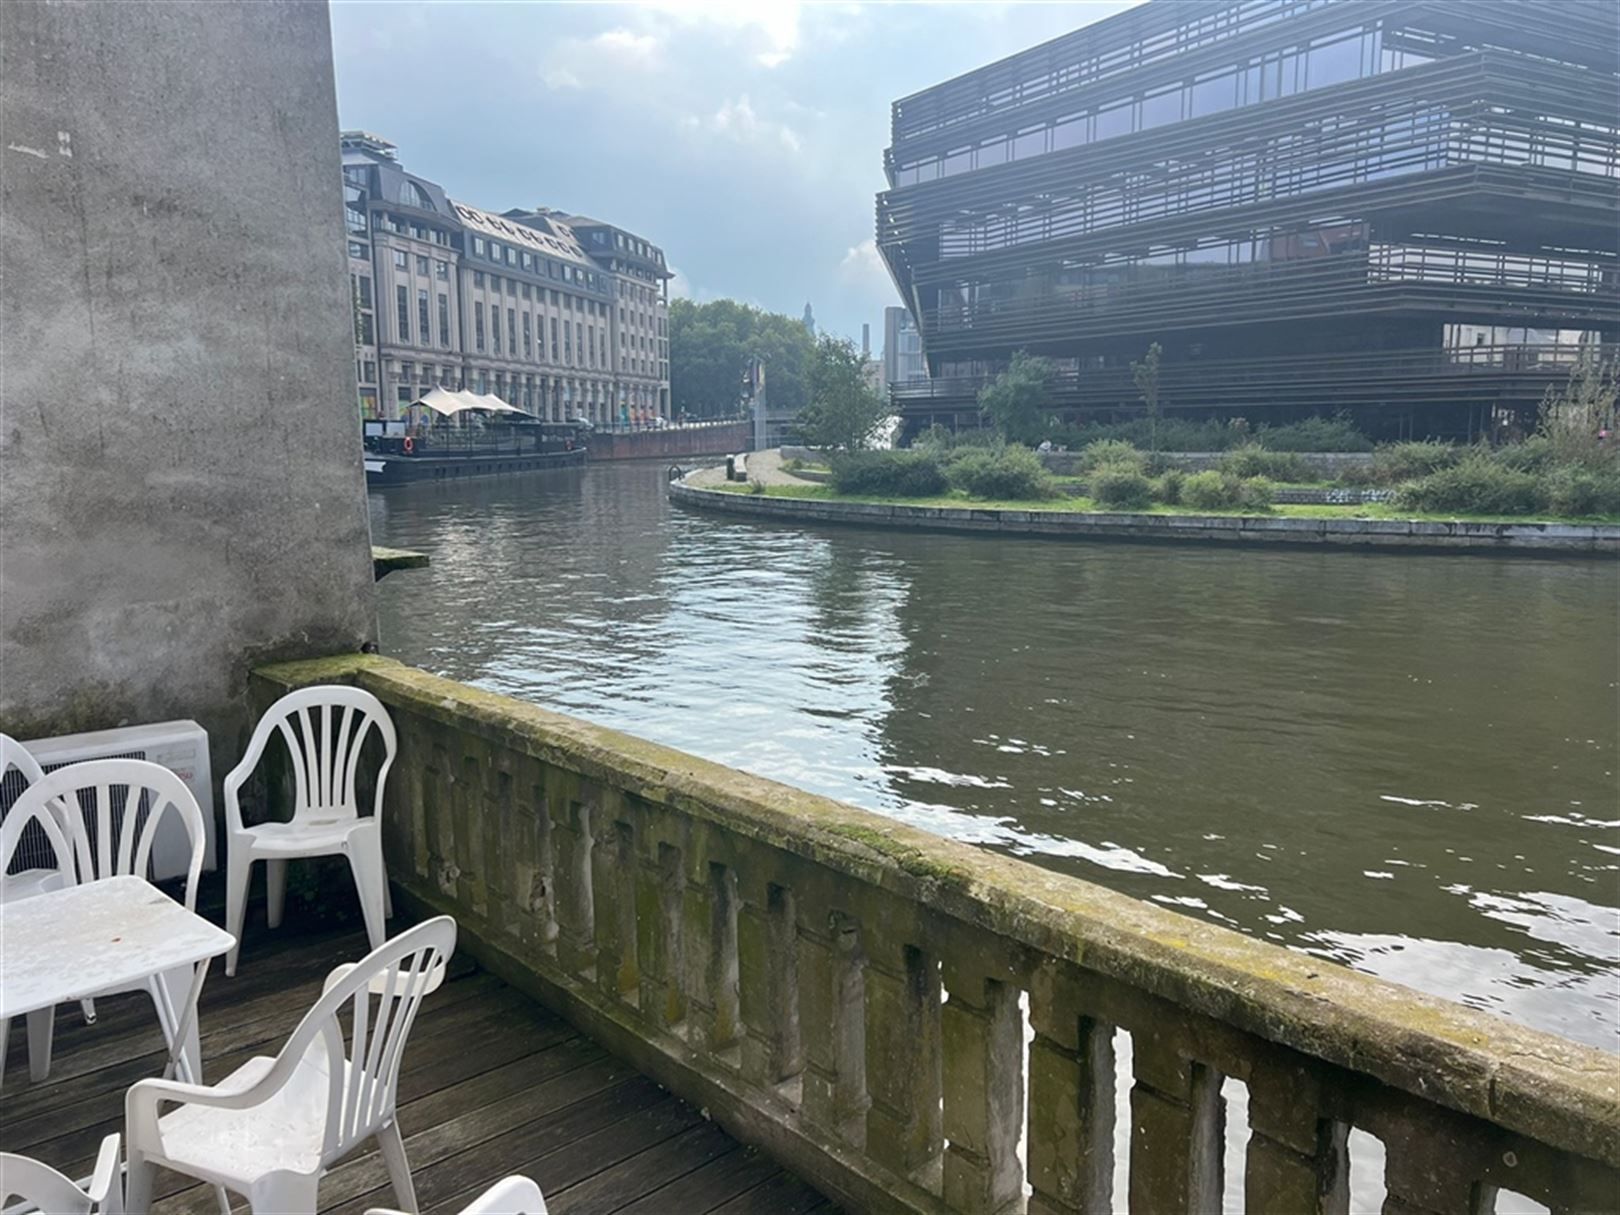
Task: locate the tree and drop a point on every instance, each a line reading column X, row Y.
column 1579, row 420
column 844, row 412
column 1019, row 401
column 710, row 344
column 1146, row 375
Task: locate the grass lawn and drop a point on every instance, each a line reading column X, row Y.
column 1077, row 503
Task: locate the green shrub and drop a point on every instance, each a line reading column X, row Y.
column 1255, row 493
column 1534, row 455
column 1475, row 485
column 1010, row 472
column 1120, row 485
column 1168, row 487
column 1209, row 490
column 1314, row 434
column 1581, row 491
column 1253, row 460
column 891, row 474
column 1111, row 452
column 1397, row 462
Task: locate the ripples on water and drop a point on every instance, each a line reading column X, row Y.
column 1402, row 763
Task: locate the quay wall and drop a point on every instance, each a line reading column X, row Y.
column 180, row 468
column 1572, row 539
column 850, row 993
column 676, row 441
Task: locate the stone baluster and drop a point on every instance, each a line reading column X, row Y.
column 981, row 1040
column 1071, row 1099
column 1434, row 1163
column 1297, row 1161
column 1177, row 1131
column 768, row 982
column 833, row 1005
column 614, row 859
column 574, row 844
column 660, row 891
column 903, row 1128
column 710, row 908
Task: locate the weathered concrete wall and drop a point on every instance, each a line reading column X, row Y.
column 677, row 441
column 847, row 991
column 180, row 477
column 1574, row 539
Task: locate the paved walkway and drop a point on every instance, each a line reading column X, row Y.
column 763, row 466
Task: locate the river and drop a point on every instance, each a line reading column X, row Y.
column 1403, row 763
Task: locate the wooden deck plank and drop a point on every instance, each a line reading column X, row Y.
column 706, row 1187
column 492, row 1084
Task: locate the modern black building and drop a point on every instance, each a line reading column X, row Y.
column 1403, row 209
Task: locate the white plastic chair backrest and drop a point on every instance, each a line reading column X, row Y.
column 31, row 809
column 110, row 835
column 42, row 1188
column 324, row 753
column 511, row 1196
column 515, row 1195
column 363, row 1074
column 14, row 755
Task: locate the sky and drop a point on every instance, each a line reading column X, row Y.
column 745, row 137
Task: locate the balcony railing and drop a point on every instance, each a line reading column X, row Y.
column 850, row 993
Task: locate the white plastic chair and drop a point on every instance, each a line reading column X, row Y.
column 33, row 881
column 515, row 1195
column 26, row 812
column 273, row 1127
column 42, row 1188
column 325, row 761
column 114, row 842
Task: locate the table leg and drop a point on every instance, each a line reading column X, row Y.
column 180, row 1023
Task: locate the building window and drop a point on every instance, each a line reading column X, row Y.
column 442, row 270
column 478, row 326
column 362, row 290
column 421, row 265
column 478, row 245
column 401, row 260
column 402, row 311
column 554, row 337
column 494, row 329
column 511, row 286
column 528, row 337
column 495, row 250
column 444, row 320
column 511, row 331
column 356, row 249
column 364, row 334
column 478, row 278
column 592, row 362
column 423, row 330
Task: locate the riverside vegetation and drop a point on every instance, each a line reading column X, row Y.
column 1569, row 468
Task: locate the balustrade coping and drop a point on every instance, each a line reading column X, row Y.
column 1554, row 1090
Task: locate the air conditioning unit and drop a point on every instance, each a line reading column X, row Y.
column 181, row 746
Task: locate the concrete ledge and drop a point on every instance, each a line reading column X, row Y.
column 1560, row 539
column 385, row 561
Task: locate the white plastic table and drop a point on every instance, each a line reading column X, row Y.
column 108, row 935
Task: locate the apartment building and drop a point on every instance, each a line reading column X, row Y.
column 562, row 316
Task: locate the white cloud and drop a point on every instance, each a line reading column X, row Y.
column 737, row 120
column 606, row 55
column 863, row 265
column 769, row 27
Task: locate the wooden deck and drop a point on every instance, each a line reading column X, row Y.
column 492, row 1084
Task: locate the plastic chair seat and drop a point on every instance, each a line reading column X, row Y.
column 234, row 1147
column 306, row 837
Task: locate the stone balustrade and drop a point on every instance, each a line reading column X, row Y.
column 917, row 1025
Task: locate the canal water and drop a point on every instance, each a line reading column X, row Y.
column 1402, row 763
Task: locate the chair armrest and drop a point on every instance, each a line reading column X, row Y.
column 144, row 1097
column 106, row 1175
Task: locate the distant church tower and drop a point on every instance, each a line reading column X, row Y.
column 809, row 319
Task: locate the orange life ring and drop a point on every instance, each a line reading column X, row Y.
column 409, row 445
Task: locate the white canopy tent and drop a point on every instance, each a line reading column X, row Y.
column 449, row 404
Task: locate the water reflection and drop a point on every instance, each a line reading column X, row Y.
column 1405, row 764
